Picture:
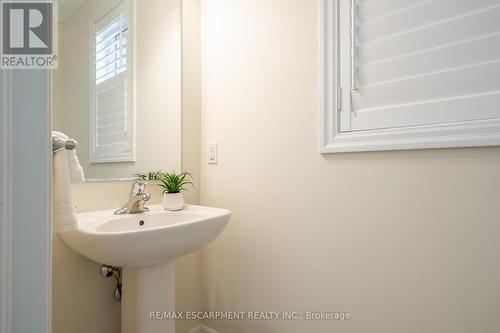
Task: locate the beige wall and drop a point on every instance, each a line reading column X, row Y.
column 405, row 241
column 157, row 95
column 82, row 300
column 191, row 91
column 188, row 284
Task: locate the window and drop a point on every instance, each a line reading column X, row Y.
column 111, row 49
column 112, row 112
column 410, row 74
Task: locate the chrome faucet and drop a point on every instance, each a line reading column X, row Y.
column 137, row 199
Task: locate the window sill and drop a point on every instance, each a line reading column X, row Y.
column 481, row 133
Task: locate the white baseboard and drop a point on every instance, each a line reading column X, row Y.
column 202, row 329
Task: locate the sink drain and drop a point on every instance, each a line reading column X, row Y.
column 141, row 222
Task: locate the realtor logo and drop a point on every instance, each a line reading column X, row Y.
column 28, row 35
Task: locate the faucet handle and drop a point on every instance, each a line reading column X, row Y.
column 136, row 200
column 138, row 187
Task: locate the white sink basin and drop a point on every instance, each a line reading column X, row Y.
column 145, row 246
column 138, row 240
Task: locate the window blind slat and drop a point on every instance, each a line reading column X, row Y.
column 111, row 128
column 106, row 67
column 108, row 151
column 111, row 138
column 109, row 120
column 113, row 42
column 113, row 49
column 110, row 99
column 453, row 83
column 465, row 28
column 111, row 89
column 374, row 10
column 109, row 68
column 107, row 31
column 470, row 52
column 110, row 38
column 463, row 108
column 421, row 17
column 115, row 109
column 110, row 72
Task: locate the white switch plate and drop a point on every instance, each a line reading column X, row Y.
column 213, row 153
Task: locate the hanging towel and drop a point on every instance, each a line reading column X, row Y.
column 66, row 171
column 75, row 169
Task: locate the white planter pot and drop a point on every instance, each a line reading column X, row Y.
column 173, row 201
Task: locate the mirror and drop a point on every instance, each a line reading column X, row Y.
column 117, row 90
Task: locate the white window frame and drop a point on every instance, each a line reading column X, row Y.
column 475, row 133
column 131, row 155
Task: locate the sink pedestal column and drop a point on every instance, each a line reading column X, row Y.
column 146, row 290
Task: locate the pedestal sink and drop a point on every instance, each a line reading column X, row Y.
column 145, row 246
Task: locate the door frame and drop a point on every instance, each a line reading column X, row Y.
column 25, row 203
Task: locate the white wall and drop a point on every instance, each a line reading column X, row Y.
column 187, row 271
column 405, row 241
column 82, row 300
column 157, row 59
column 191, row 91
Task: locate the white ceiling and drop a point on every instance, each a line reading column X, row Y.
column 67, row 7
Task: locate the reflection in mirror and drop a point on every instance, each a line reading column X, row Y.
column 117, row 90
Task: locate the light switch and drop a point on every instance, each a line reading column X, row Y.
column 213, row 153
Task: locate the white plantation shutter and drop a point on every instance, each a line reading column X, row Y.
column 111, row 49
column 411, row 63
column 112, row 118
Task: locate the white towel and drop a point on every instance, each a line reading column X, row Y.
column 64, row 214
column 66, row 171
column 75, row 169
column 76, row 173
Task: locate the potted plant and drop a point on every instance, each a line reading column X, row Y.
column 173, row 184
column 152, row 175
